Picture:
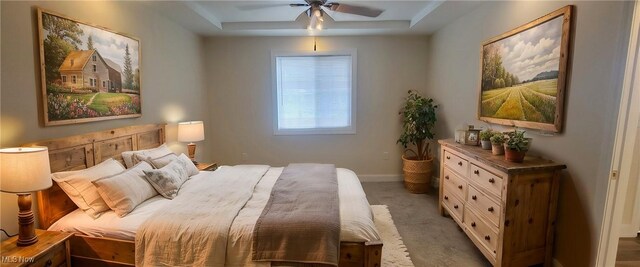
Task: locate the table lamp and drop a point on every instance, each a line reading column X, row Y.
column 191, row 131
column 24, row 170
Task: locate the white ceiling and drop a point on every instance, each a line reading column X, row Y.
column 277, row 18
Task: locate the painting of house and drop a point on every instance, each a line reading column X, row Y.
column 86, row 70
column 115, row 76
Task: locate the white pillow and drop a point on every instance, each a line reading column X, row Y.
column 158, row 162
column 123, row 192
column 168, row 180
column 78, row 186
column 191, row 168
column 130, row 160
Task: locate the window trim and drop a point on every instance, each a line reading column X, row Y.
column 274, row 92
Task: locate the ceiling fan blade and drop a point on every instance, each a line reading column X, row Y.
column 265, row 6
column 357, row 10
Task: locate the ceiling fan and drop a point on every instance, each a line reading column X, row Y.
column 337, row 7
column 316, row 12
column 317, row 8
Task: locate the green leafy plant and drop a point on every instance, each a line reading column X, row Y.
column 485, row 135
column 517, row 141
column 497, row 138
column 418, row 122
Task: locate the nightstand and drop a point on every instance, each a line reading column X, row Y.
column 207, row 166
column 52, row 249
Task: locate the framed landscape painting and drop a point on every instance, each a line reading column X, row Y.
column 523, row 74
column 88, row 73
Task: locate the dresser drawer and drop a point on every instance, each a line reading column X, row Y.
column 457, row 185
column 453, row 204
column 456, row 163
column 484, row 233
column 55, row 257
column 484, row 205
column 485, row 179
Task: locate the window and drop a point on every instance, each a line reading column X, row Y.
column 73, row 79
column 314, row 93
column 64, row 78
column 92, row 82
column 94, row 57
column 104, row 84
column 95, row 68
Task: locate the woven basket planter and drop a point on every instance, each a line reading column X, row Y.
column 417, row 174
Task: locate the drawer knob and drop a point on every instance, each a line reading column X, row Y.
column 446, row 198
column 460, row 187
column 448, row 157
column 446, row 177
column 486, row 237
column 473, row 224
column 455, row 206
column 490, row 209
column 48, row 263
column 476, row 172
column 491, row 180
column 460, row 163
column 474, row 197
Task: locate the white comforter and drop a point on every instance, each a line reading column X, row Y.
column 355, row 215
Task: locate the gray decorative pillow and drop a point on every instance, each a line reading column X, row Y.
column 168, row 179
column 130, row 160
column 158, row 162
column 191, row 168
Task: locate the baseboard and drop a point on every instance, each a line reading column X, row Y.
column 556, row 263
column 380, row 177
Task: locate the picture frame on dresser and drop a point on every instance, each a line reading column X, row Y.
column 523, row 74
column 88, row 72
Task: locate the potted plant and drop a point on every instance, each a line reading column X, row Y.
column 485, row 136
column 497, row 141
column 418, row 121
column 516, row 146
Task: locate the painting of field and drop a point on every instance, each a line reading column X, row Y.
column 535, row 101
column 522, row 73
column 88, row 73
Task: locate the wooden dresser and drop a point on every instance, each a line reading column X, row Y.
column 507, row 209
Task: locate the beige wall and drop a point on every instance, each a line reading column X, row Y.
column 593, row 93
column 171, row 66
column 240, row 101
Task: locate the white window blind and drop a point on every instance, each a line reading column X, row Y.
column 314, row 94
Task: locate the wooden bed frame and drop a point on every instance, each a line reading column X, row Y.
column 83, row 151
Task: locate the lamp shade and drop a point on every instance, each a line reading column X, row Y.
column 190, row 131
column 24, row 169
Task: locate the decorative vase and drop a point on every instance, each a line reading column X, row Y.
column 486, row 144
column 417, row 174
column 514, row 155
column 497, row 149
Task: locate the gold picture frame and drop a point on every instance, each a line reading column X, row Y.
column 523, row 74
column 88, row 72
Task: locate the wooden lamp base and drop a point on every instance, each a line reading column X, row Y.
column 192, row 152
column 26, row 232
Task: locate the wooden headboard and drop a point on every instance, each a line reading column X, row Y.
column 83, row 151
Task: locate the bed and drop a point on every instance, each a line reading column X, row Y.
column 96, row 246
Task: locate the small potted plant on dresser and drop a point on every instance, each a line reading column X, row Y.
column 418, row 121
column 516, row 146
column 497, row 143
column 485, row 136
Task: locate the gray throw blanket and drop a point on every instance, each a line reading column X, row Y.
column 301, row 221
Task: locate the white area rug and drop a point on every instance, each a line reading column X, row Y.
column 394, row 252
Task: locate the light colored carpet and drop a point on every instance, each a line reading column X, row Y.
column 394, row 252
